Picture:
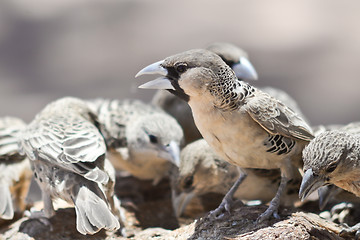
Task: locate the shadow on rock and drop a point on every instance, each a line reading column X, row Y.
column 60, row 226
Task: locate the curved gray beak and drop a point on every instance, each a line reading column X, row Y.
column 245, row 70
column 159, row 83
column 172, row 153
column 180, row 201
column 309, row 184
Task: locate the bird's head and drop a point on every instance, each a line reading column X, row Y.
column 156, row 136
column 236, row 58
column 189, row 74
column 329, row 159
column 197, row 174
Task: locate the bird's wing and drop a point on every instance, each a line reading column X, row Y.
column 9, row 129
column 276, row 118
column 113, row 114
column 70, row 142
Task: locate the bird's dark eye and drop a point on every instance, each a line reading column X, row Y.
column 188, row 182
column 331, row 167
column 180, row 68
column 153, row 139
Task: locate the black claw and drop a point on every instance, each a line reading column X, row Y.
column 224, row 207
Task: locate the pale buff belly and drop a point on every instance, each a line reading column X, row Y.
column 237, row 139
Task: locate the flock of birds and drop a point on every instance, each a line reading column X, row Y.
column 209, row 132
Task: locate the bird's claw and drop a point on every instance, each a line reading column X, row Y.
column 223, row 208
column 38, row 216
column 267, row 215
column 276, row 215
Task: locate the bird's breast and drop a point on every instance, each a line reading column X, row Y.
column 236, row 137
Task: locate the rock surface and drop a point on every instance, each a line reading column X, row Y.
column 239, row 225
column 149, row 215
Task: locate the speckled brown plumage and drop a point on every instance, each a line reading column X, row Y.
column 333, row 157
column 141, row 138
column 226, row 125
column 67, row 155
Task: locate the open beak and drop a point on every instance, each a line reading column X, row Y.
column 309, row 184
column 245, row 70
column 171, row 152
column 180, row 201
column 159, row 83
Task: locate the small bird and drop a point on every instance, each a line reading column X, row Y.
column 201, row 171
column 230, row 113
column 15, row 172
column 67, row 156
column 332, row 157
column 141, row 138
column 237, row 59
column 329, row 192
column 180, row 110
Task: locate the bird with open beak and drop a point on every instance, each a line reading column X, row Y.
column 234, row 57
column 242, row 124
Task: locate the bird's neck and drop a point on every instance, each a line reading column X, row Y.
column 230, row 94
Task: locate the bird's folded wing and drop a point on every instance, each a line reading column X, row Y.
column 72, row 143
column 9, row 129
column 276, row 118
column 114, row 116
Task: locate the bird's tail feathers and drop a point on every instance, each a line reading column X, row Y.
column 6, row 206
column 93, row 213
column 97, row 175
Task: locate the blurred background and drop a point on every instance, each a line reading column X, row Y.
column 94, row 48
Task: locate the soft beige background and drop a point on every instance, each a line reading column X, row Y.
column 92, row 48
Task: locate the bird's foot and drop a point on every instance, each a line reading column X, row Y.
column 274, row 204
column 350, row 231
column 36, row 224
column 271, row 211
column 224, row 208
column 38, row 216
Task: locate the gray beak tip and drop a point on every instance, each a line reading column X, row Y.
column 144, row 86
column 138, row 74
column 154, row 68
column 309, row 184
column 159, row 83
column 174, row 151
column 245, row 70
column 181, row 201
